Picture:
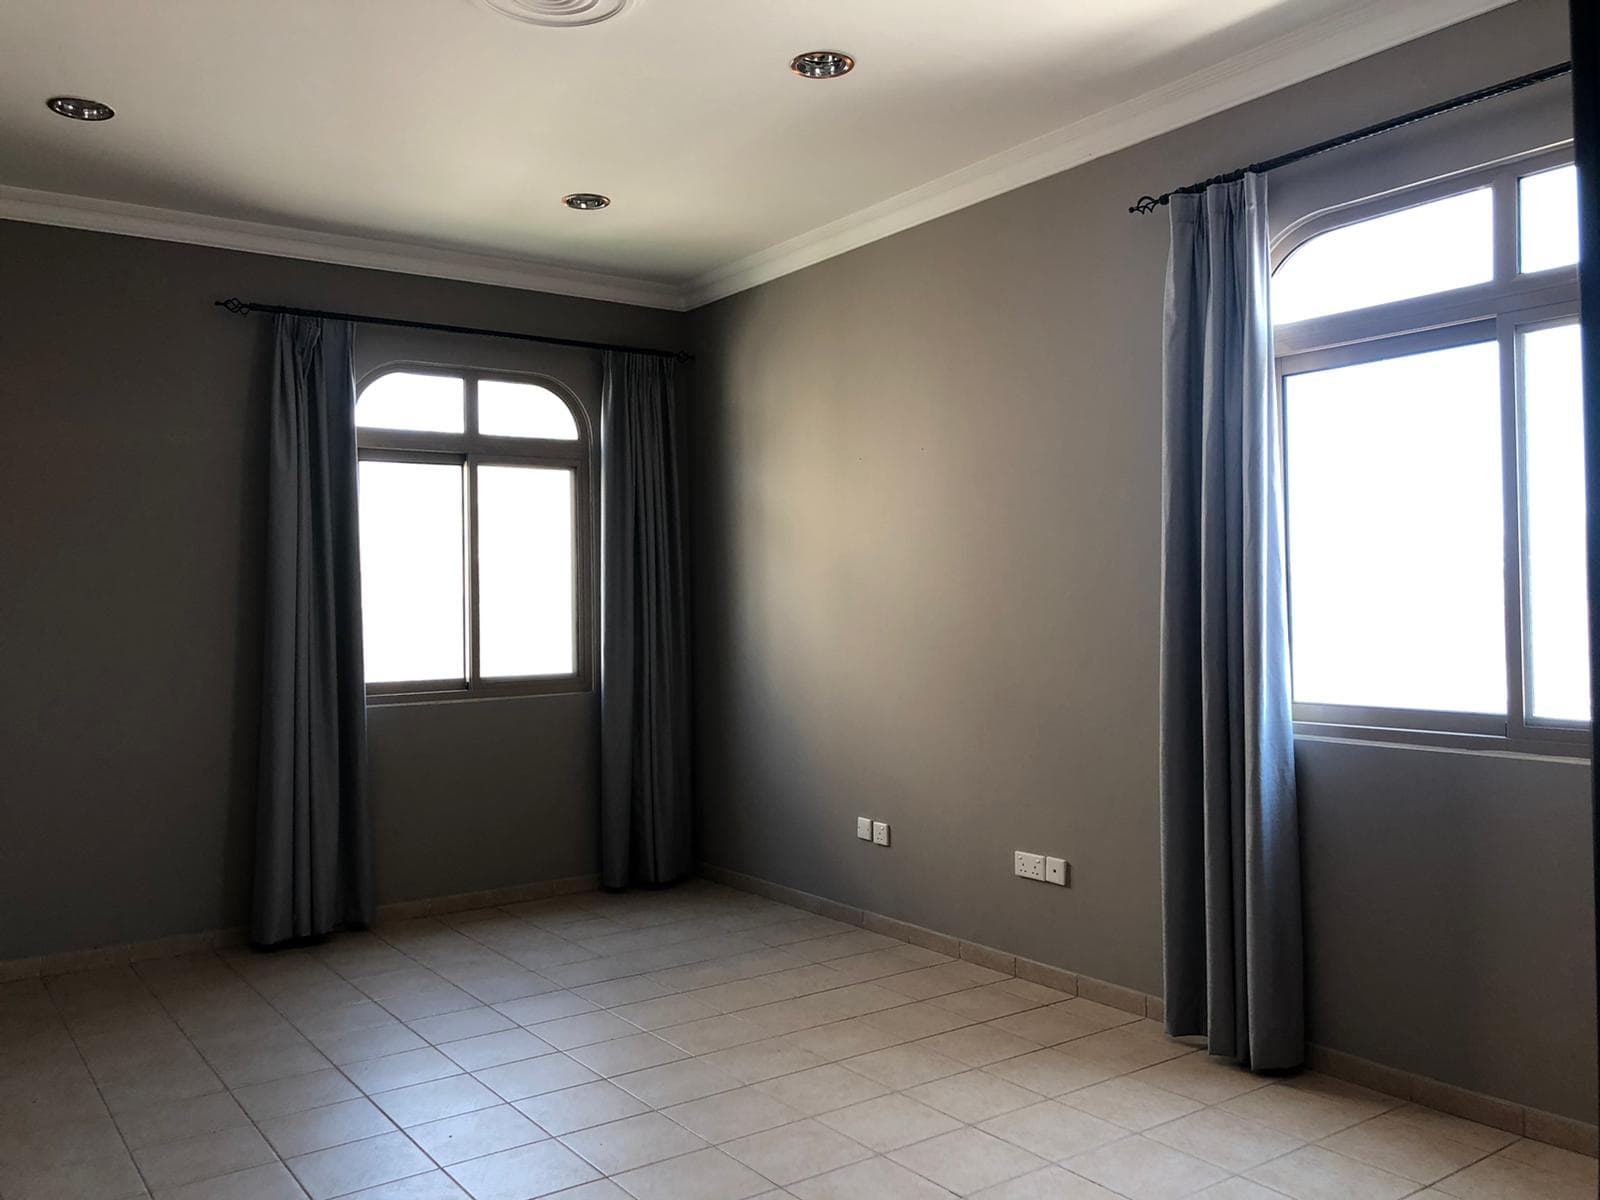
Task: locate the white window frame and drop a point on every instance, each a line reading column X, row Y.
column 469, row 450
column 1499, row 310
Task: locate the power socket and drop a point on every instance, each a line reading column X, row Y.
column 1029, row 866
column 880, row 833
column 864, row 828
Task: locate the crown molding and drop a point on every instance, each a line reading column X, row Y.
column 1314, row 49
column 281, row 241
column 1311, row 50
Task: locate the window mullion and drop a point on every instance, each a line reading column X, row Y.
column 1511, row 491
column 474, row 677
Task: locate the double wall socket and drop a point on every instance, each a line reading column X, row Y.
column 1044, row 868
column 869, row 830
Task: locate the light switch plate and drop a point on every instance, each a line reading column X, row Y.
column 864, row 828
column 1055, row 871
column 880, row 832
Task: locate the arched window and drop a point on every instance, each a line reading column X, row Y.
column 475, row 534
column 1428, row 367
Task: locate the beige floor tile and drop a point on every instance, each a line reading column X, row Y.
column 941, row 980
column 580, row 1107
column 400, row 1070
column 633, row 1142
column 172, row 1164
column 1403, row 1148
column 1051, row 1072
column 613, row 992
column 1557, row 1161
column 870, row 1179
column 373, row 1041
column 1230, row 1142
column 973, row 1096
column 31, row 1148
column 1202, row 1077
column 266, row 1100
column 1142, row 1169
column 1307, row 1113
column 534, row 1076
column 666, row 1010
column 270, row 1182
column 790, row 1153
column 584, row 1029
column 108, row 1177
column 921, row 1020
column 355, row 1165
column 676, row 1082
column 435, row 1100
column 711, row 1034
column 1240, row 1189
column 889, row 1122
column 1053, row 1130
column 494, row 1049
column 904, row 1066
column 704, row 1175
column 1315, row 1173
column 1052, row 1183
column 967, row 1160
column 552, row 1006
column 822, row 1089
column 1125, row 1049
column 1501, row 1178
column 319, row 1128
column 1135, row 1106
column 736, row 996
column 523, row 1173
column 729, row 1115
column 766, row 1059
column 845, row 1039
column 980, row 1045
column 1048, row 1026
column 987, row 1003
column 435, row 1185
column 623, row 1055
column 1482, row 1137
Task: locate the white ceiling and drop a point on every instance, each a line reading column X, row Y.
column 434, row 135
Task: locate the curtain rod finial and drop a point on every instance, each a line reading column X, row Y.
column 1147, row 204
column 235, row 305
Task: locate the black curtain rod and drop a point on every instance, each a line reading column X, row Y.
column 244, row 308
column 1148, row 204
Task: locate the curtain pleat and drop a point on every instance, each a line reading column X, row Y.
column 312, row 859
column 1230, row 842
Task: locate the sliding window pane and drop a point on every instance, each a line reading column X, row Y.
column 410, row 400
column 1417, row 251
column 526, row 571
column 524, row 410
column 1547, row 219
column 1396, row 570
column 1557, row 615
column 412, row 593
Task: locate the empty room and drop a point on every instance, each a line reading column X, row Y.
column 834, row 600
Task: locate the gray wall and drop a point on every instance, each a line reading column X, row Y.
column 131, row 516
column 927, row 526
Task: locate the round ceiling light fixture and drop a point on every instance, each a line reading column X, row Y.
column 586, row 201
column 79, row 109
column 558, row 12
column 822, row 64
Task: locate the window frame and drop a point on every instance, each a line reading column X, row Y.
column 1500, row 310
column 471, row 449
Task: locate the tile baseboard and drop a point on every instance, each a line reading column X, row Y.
column 177, row 945
column 1535, row 1124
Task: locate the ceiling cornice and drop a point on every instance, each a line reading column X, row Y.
column 282, row 241
column 1310, row 50
column 1343, row 38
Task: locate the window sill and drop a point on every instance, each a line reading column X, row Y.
column 521, row 690
column 1566, row 746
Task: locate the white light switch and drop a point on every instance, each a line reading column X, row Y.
column 1055, row 871
column 864, row 828
column 880, row 833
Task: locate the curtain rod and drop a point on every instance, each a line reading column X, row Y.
column 244, row 308
column 1148, row 204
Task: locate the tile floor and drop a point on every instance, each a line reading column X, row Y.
column 695, row 1044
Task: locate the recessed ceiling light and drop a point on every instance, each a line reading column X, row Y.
column 557, row 12
column 822, row 64
column 80, row 109
column 586, row 201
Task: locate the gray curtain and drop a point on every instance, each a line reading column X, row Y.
column 313, row 864
column 646, row 826
column 1230, row 840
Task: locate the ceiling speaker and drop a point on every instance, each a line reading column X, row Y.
column 558, row 12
